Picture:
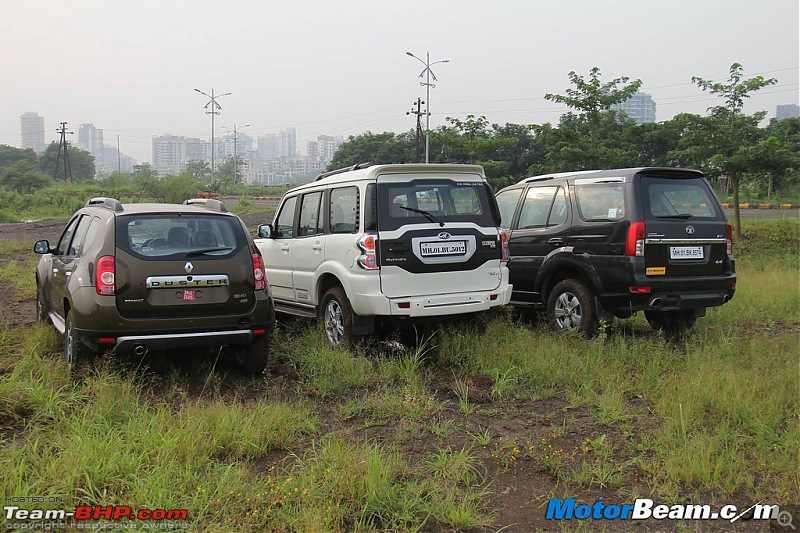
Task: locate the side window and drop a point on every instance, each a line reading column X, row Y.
column 66, row 237
column 309, row 215
column 601, row 202
column 507, row 202
column 91, row 234
column 80, row 233
column 284, row 224
column 536, row 207
column 344, row 210
column 558, row 214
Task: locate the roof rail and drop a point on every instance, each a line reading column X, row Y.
column 341, row 170
column 537, row 178
column 208, row 203
column 109, row 203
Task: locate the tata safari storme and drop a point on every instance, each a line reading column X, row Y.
column 594, row 245
column 368, row 246
column 139, row 277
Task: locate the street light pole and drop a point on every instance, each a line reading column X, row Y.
column 429, row 73
column 215, row 109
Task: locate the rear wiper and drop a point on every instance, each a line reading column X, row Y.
column 202, row 251
column 424, row 213
column 679, row 215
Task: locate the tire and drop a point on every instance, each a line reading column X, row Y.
column 42, row 314
column 76, row 354
column 672, row 323
column 256, row 357
column 570, row 308
column 336, row 314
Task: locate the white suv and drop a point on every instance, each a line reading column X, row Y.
column 367, row 246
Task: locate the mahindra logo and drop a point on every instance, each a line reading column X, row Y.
column 690, row 230
column 188, row 267
column 444, row 235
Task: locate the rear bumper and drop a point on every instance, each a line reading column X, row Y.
column 431, row 305
column 133, row 343
column 671, row 295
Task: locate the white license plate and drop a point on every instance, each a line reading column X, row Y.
column 686, row 252
column 443, row 248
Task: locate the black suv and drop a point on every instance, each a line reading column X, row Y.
column 591, row 245
column 139, row 277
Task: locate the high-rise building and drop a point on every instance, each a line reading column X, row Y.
column 32, row 129
column 640, row 107
column 787, row 111
column 172, row 152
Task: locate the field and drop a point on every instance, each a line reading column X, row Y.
column 468, row 431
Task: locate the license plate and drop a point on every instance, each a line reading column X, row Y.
column 188, row 295
column 686, row 252
column 443, row 248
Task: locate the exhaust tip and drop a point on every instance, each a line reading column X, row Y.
column 655, row 302
column 139, row 349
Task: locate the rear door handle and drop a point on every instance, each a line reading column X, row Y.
column 285, row 248
column 556, row 241
column 316, row 246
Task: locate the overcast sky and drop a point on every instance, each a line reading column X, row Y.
column 340, row 67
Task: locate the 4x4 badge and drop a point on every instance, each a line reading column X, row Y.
column 188, row 267
column 690, row 230
column 444, row 235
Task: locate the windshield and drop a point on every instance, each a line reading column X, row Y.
column 437, row 201
column 678, row 199
column 172, row 236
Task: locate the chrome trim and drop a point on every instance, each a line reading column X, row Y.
column 145, row 338
column 685, row 241
column 172, row 282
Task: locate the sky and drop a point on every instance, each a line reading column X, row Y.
column 340, row 67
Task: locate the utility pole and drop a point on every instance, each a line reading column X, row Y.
column 417, row 112
column 63, row 144
column 215, row 110
column 427, row 71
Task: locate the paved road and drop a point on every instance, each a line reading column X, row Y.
column 766, row 213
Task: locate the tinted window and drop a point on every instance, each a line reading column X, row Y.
column 678, row 198
column 344, row 210
column 598, row 202
column 507, row 202
column 558, row 213
column 66, row 237
column 91, row 234
column 446, row 200
column 536, row 207
column 172, row 235
column 284, row 224
column 80, row 233
column 309, row 215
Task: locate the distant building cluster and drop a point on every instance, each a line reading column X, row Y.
column 640, row 107
column 107, row 158
column 267, row 160
column 787, row 111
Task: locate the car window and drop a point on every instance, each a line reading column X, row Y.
column 284, row 224
column 80, row 233
column 680, row 198
column 344, row 210
column 91, row 234
column 170, row 235
column 558, row 213
column 309, row 215
column 66, row 237
column 536, row 207
column 466, row 201
column 507, row 202
column 601, row 202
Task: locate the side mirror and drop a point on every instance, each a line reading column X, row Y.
column 42, row 247
column 265, row 231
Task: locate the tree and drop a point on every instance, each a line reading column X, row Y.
column 200, row 168
column 593, row 97
column 23, row 177
column 80, row 161
column 379, row 148
column 731, row 132
column 9, row 154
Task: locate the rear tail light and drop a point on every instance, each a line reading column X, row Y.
column 634, row 244
column 368, row 244
column 104, row 276
column 259, row 275
column 639, row 290
column 504, row 245
column 729, row 238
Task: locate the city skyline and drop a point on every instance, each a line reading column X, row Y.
column 342, row 70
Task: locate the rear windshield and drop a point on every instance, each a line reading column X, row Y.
column 173, row 236
column 433, row 201
column 678, row 198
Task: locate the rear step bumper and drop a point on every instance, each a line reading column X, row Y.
column 142, row 343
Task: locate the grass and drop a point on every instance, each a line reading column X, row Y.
column 381, row 439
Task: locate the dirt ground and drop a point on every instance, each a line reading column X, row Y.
column 520, row 486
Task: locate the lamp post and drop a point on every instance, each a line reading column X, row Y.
column 428, row 73
column 215, row 109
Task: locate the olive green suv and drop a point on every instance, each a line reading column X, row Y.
column 140, row 277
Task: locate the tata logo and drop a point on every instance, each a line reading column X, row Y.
column 690, row 230
column 444, row 235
